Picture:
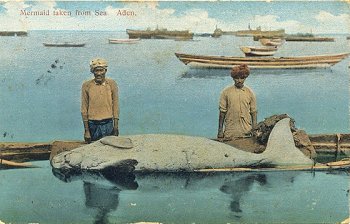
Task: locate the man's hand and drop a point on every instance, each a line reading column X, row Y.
column 87, row 136
column 220, row 135
column 115, row 127
column 115, row 131
column 254, row 132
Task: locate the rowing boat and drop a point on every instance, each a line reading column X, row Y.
column 271, row 42
column 258, row 51
column 300, row 62
column 123, row 41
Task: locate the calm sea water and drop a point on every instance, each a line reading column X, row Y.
column 158, row 94
column 37, row 196
column 40, row 98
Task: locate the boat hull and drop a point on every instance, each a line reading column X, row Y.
column 216, row 66
column 123, row 41
column 303, row 62
column 258, row 51
column 271, row 42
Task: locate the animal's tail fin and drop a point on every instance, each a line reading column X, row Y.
column 281, row 148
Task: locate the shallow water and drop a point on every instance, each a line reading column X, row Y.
column 36, row 195
column 159, row 94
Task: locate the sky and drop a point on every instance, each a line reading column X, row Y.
column 318, row 17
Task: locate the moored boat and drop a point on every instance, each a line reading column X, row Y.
column 64, row 44
column 258, row 51
column 271, row 42
column 123, row 41
column 300, row 62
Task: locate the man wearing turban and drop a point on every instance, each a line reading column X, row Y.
column 99, row 103
column 238, row 110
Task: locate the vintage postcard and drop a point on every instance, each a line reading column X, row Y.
column 174, row 111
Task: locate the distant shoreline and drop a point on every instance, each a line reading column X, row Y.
column 123, row 31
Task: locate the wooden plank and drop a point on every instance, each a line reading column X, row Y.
column 19, row 152
column 23, row 145
column 62, row 146
column 15, row 164
column 318, row 167
column 206, row 65
column 331, row 143
column 264, row 63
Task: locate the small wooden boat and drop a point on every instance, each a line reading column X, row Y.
column 64, row 44
column 124, row 41
column 271, row 42
column 259, row 51
column 300, row 62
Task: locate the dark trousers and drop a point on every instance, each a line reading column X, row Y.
column 100, row 129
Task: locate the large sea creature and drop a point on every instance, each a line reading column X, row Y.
column 174, row 153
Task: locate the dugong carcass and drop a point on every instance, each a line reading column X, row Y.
column 171, row 153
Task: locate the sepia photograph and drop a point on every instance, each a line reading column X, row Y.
column 174, row 112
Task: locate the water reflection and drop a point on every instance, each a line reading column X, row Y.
column 101, row 189
column 101, row 198
column 225, row 72
column 104, row 197
column 244, row 197
column 123, row 180
column 239, row 188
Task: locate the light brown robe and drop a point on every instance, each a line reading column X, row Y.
column 238, row 104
